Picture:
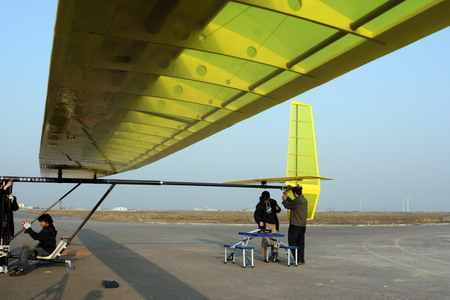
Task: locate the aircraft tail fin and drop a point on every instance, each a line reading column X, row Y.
column 302, row 153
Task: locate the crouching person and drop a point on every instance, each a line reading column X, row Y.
column 47, row 242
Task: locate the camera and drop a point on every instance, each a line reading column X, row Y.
column 287, row 188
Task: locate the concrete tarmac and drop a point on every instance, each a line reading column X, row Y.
column 169, row 261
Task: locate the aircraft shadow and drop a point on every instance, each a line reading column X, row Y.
column 145, row 277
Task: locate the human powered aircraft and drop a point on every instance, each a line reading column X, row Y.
column 132, row 82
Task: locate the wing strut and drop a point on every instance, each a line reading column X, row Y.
column 91, row 213
column 34, row 220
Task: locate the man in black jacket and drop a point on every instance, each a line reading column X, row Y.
column 267, row 219
column 8, row 204
column 47, row 242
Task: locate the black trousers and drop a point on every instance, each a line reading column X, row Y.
column 296, row 237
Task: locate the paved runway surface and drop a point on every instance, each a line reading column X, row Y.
column 166, row 261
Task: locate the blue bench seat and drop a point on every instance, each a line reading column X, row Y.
column 232, row 257
column 291, row 260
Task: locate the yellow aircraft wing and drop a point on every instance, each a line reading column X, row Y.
column 134, row 81
column 280, row 179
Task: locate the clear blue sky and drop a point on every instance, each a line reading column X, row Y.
column 382, row 131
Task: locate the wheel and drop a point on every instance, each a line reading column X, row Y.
column 71, row 268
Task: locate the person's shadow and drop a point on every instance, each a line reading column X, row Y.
column 55, row 291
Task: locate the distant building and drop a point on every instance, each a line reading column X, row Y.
column 120, row 208
column 142, row 209
column 24, row 206
column 206, row 209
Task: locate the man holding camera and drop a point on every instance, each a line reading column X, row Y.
column 297, row 221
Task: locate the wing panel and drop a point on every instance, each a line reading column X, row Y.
column 134, row 81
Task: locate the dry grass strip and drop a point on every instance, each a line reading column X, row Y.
column 238, row 217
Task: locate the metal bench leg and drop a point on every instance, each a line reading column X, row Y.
column 296, row 257
column 289, row 256
column 229, row 257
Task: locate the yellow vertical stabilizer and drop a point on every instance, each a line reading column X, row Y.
column 302, row 153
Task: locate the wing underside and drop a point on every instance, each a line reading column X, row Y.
column 134, row 81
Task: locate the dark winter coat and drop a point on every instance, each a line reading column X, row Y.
column 261, row 215
column 6, row 215
column 46, row 237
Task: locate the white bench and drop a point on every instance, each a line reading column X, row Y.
column 54, row 256
column 62, row 245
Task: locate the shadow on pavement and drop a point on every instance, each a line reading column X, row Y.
column 55, row 291
column 94, row 295
column 145, row 277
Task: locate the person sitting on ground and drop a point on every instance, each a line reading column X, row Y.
column 47, row 242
